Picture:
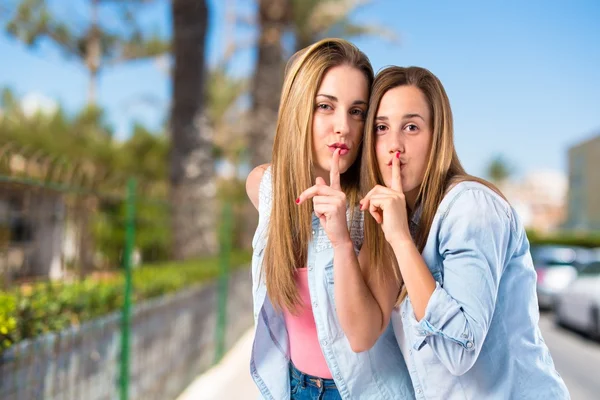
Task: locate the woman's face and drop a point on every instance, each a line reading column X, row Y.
column 403, row 124
column 339, row 118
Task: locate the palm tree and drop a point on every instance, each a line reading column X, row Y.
column 191, row 177
column 313, row 20
column 273, row 20
column 309, row 21
column 498, row 170
column 94, row 41
column 224, row 115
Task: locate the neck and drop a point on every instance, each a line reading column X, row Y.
column 411, row 198
column 321, row 173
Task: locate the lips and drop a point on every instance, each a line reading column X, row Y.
column 402, row 164
column 344, row 149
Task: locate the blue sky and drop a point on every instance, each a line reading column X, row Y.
column 523, row 77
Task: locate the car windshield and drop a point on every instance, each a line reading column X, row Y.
column 592, row 269
column 553, row 256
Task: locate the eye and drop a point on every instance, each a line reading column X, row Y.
column 324, row 107
column 379, row 129
column 411, row 128
column 358, row 113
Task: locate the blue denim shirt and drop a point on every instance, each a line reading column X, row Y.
column 379, row 373
column 479, row 337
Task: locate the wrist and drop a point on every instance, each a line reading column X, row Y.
column 344, row 244
column 402, row 245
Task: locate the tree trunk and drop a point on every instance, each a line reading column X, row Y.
column 303, row 41
column 93, row 54
column 192, row 180
column 268, row 78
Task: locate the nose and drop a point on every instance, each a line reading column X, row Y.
column 342, row 123
column 396, row 143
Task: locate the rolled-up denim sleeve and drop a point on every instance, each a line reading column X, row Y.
column 473, row 238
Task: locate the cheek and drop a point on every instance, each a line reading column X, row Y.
column 381, row 152
column 425, row 149
column 357, row 131
column 319, row 128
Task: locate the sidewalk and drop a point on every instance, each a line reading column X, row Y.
column 228, row 380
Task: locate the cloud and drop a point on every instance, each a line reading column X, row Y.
column 33, row 103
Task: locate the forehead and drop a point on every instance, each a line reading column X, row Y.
column 403, row 100
column 345, row 82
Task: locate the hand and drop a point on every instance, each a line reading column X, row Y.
column 388, row 207
column 329, row 203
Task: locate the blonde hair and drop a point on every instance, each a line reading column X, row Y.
column 443, row 170
column 290, row 225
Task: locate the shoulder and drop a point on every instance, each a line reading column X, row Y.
column 253, row 183
column 475, row 205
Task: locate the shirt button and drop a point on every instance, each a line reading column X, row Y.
column 464, row 335
column 469, row 344
column 403, row 314
column 422, row 333
column 419, row 391
column 315, row 305
column 310, row 268
column 324, row 342
column 314, row 232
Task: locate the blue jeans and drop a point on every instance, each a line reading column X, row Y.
column 308, row 387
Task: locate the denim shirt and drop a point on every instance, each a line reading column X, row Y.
column 479, row 337
column 379, row 373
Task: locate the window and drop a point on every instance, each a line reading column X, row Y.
column 592, row 269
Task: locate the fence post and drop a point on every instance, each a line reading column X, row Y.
column 225, row 241
column 126, row 313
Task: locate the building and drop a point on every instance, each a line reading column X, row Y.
column 539, row 198
column 584, row 186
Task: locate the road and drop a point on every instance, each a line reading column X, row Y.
column 576, row 358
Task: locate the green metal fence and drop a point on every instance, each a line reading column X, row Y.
column 118, row 328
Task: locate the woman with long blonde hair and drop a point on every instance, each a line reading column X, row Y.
column 467, row 321
column 304, row 266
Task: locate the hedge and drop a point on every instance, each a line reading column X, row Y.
column 40, row 308
column 589, row 240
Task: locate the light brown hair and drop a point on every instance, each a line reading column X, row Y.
column 443, row 170
column 290, row 229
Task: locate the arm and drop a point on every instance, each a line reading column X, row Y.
column 253, row 183
column 363, row 302
column 473, row 239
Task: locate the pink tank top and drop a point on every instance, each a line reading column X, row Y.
column 305, row 349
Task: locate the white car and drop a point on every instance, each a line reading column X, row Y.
column 556, row 268
column 578, row 306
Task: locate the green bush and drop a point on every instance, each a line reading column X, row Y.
column 589, row 240
column 50, row 307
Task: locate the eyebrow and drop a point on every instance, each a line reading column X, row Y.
column 333, row 98
column 405, row 116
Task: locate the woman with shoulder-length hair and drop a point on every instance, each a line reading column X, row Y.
column 304, row 264
column 467, row 321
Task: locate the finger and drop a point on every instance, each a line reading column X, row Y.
column 396, row 179
column 376, row 190
column 316, row 190
column 324, row 210
column 380, row 202
column 320, row 181
column 334, row 171
column 323, row 220
column 376, row 213
column 364, row 204
column 326, row 200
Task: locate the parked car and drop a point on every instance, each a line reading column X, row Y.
column 556, row 268
column 578, row 306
